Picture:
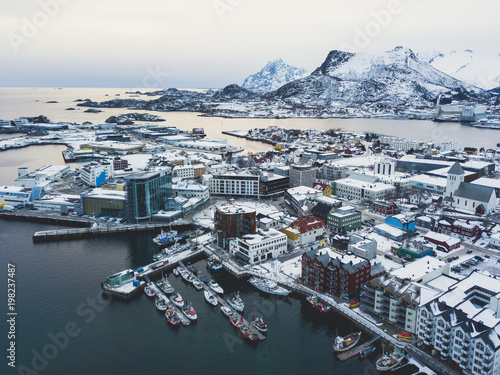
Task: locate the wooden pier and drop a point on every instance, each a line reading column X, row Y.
column 344, row 356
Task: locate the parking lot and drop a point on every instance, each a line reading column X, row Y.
column 465, row 266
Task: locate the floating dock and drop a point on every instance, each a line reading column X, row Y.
column 223, row 302
column 344, row 356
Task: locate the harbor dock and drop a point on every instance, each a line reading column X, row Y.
column 344, row 356
column 184, row 320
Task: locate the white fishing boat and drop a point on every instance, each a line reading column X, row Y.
column 149, row 291
column 177, row 300
column 388, row 361
column 210, row 297
column 268, row 286
column 215, row 287
column 342, row 344
column 165, row 286
column 160, row 304
column 175, row 272
column 226, row 310
column 236, row 302
column 189, row 311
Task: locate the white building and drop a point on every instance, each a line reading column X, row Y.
column 495, row 241
column 463, row 324
column 14, row 195
column 265, row 244
column 464, row 196
column 233, row 184
column 385, row 167
column 40, row 177
column 354, row 189
column 59, row 202
column 190, row 190
column 184, row 172
column 95, row 174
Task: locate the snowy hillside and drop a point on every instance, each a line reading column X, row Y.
column 467, row 66
column 274, row 75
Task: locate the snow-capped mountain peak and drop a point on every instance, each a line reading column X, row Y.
column 275, row 74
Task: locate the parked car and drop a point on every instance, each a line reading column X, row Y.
column 469, row 251
column 479, row 258
column 455, row 257
column 390, row 257
column 487, row 256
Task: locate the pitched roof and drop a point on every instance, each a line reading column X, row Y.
column 321, row 209
column 307, row 223
column 456, row 169
column 474, row 192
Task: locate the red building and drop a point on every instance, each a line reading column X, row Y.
column 120, row 164
column 233, row 221
column 459, row 229
column 333, row 272
column 385, row 208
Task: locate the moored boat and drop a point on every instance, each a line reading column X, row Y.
column 214, row 264
column 268, row 286
column 236, row 321
column 172, row 317
column 165, row 286
column 197, row 284
column 259, row 323
column 169, row 238
column 177, row 300
column 388, row 361
column 189, row 311
column 342, row 344
column 248, row 334
column 236, row 302
column 192, row 269
column 149, row 291
column 215, row 287
column 160, row 304
column 176, row 272
column 203, row 278
column 318, row 305
column 226, row 310
column 210, row 298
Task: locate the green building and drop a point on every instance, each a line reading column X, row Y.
column 344, row 219
column 103, row 202
column 414, row 250
column 147, row 193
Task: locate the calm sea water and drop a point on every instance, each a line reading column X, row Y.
column 16, row 102
column 59, row 284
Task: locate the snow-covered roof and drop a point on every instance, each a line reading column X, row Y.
column 419, row 268
column 389, row 229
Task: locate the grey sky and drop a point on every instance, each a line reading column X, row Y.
column 212, row 43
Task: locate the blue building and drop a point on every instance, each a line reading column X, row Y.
column 147, row 193
column 401, row 222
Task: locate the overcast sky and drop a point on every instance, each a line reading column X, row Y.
column 212, row 43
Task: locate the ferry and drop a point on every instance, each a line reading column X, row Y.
column 388, row 361
column 268, row 286
column 318, row 305
column 342, row 344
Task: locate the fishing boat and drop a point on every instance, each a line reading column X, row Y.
column 268, row 286
column 176, row 272
column 189, row 311
column 160, row 304
column 184, row 273
column 214, row 264
column 177, row 300
column 210, row 297
column 197, row 284
column 215, row 287
column 248, row 334
column 172, row 317
column 236, row 302
column 236, row 320
column 226, row 310
column 165, row 286
column 259, row 323
column 318, row 305
column 165, row 239
column 366, row 352
column 149, row 291
column 342, row 344
column 388, row 361
column 203, row 278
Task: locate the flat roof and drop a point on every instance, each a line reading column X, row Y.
column 234, row 209
column 419, row 268
column 376, row 186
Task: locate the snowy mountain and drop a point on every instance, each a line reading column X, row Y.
column 477, row 70
column 272, row 76
column 394, row 80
